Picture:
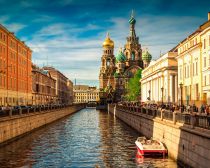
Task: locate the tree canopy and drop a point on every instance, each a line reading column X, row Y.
column 134, row 89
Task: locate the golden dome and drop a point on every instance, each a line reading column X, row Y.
column 108, row 42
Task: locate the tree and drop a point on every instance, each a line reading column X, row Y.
column 134, row 89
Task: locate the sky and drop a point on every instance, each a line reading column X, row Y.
column 68, row 34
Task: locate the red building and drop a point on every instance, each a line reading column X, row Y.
column 15, row 70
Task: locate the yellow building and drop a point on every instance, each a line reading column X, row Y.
column 159, row 79
column 194, row 66
column 85, row 94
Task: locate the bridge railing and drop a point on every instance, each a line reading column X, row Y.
column 193, row 119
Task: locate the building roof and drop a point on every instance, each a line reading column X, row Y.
column 84, row 87
column 200, row 28
column 15, row 37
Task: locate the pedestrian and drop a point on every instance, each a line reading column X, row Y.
column 202, row 108
column 207, row 110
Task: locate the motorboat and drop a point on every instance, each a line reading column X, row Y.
column 150, row 147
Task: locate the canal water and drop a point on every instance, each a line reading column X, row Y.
column 88, row 138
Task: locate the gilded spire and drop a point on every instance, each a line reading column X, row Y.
column 107, row 35
column 132, row 13
column 132, row 21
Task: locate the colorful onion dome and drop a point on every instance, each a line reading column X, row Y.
column 146, row 56
column 120, row 57
column 132, row 20
column 108, row 42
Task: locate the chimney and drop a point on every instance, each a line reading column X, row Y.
column 209, row 16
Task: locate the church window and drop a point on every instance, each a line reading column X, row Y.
column 133, row 56
column 108, row 63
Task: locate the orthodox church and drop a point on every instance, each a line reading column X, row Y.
column 115, row 71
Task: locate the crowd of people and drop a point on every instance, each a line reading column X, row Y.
column 204, row 108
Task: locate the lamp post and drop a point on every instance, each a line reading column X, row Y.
column 181, row 86
column 162, row 94
column 149, row 94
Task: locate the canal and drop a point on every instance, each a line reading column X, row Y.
column 88, row 138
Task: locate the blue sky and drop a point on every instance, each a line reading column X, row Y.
column 69, row 33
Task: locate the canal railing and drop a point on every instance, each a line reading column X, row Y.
column 18, row 112
column 191, row 119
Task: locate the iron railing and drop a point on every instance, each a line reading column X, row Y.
column 197, row 120
column 25, row 111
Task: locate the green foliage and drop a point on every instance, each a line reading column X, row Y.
column 134, row 89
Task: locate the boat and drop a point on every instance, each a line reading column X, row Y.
column 150, row 147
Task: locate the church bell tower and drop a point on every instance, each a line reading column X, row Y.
column 133, row 50
column 106, row 76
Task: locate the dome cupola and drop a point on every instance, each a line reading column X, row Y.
column 108, row 42
column 132, row 20
column 146, row 56
column 120, row 56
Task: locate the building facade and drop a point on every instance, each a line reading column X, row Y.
column 62, row 89
column 194, row 66
column 159, row 81
column 43, row 87
column 85, row 94
column 70, row 92
column 15, row 70
column 115, row 72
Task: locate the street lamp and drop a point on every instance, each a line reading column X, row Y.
column 149, row 93
column 181, row 86
column 162, row 94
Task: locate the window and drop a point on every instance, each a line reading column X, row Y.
column 209, row 40
column 196, row 67
column 204, row 80
column 133, row 56
column 204, row 44
column 180, row 72
column 108, row 63
column 209, row 59
column 209, row 79
column 204, row 62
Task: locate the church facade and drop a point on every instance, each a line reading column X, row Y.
column 115, row 71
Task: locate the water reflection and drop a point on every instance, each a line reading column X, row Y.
column 88, row 138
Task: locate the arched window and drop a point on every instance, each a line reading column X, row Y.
column 133, row 56
column 108, row 63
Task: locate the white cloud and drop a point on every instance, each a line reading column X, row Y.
column 15, row 27
column 72, row 55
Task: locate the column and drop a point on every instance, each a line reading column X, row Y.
column 172, row 89
column 158, row 81
column 176, row 89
